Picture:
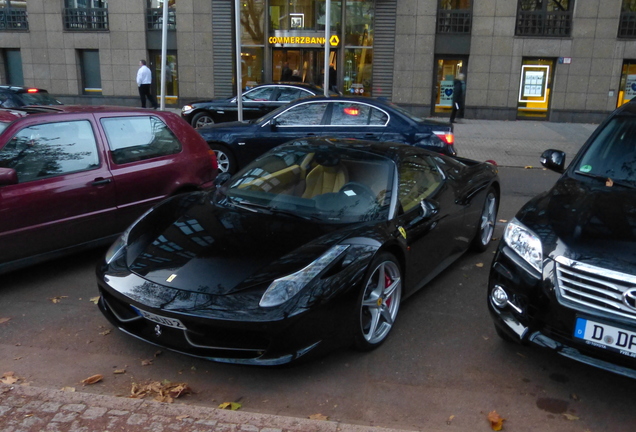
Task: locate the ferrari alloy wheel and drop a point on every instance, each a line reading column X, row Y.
column 486, row 222
column 378, row 303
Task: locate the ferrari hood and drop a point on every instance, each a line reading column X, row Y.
column 587, row 221
column 218, row 250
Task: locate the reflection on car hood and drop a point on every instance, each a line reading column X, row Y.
column 587, row 221
column 216, row 250
column 226, row 127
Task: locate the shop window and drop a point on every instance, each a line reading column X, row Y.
column 627, row 90
column 13, row 15
column 627, row 24
column 172, row 75
column 535, row 86
column 154, row 15
column 85, row 15
column 454, row 16
column 552, row 18
column 301, row 14
column 91, row 76
column 358, row 71
column 447, row 70
column 359, row 15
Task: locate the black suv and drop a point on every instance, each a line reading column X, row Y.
column 15, row 97
column 564, row 275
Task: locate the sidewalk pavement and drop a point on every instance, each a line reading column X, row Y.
column 31, row 409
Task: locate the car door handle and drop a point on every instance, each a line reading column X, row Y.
column 100, row 181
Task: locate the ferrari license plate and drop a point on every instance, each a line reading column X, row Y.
column 168, row 322
column 606, row 336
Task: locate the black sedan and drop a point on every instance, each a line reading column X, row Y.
column 312, row 245
column 564, row 275
column 16, row 96
column 257, row 102
column 238, row 143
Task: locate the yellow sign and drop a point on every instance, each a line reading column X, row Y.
column 300, row 40
column 334, row 40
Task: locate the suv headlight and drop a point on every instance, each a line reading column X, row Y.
column 525, row 243
column 284, row 288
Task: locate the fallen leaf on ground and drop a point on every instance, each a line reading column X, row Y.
column 318, row 417
column 496, row 421
column 570, row 416
column 162, row 391
column 146, row 362
column 575, row 397
column 68, row 389
column 92, row 379
column 9, row 378
column 57, row 299
column 450, row 419
column 119, row 371
column 479, row 265
column 4, row 320
column 94, row 299
column 105, row 332
column 230, row 406
column 182, row 417
column 158, row 353
column 503, row 220
column 528, row 167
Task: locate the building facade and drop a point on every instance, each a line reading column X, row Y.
column 555, row 60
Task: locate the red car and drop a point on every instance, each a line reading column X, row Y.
column 73, row 177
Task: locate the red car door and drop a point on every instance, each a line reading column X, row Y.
column 65, row 195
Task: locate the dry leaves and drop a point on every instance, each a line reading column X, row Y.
column 147, row 362
column 68, row 389
column 57, row 299
column 450, row 419
column 92, row 379
column 94, row 299
column 230, row 406
column 4, row 320
column 119, row 371
column 496, row 421
column 9, row 378
column 318, row 417
column 105, row 332
column 480, row 265
column 570, row 417
column 162, row 391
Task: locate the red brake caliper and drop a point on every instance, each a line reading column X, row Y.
column 387, row 283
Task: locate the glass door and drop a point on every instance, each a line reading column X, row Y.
column 172, row 76
column 306, row 65
column 447, row 70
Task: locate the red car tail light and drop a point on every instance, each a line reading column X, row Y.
column 447, row 137
column 32, row 90
column 213, row 158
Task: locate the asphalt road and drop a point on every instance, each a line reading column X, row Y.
column 443, row 367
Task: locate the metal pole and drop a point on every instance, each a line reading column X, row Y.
column 164, row 52
column 239, row 71
column 327, row 28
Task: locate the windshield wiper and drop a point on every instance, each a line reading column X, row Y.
column 255, row 207
column 606, row 179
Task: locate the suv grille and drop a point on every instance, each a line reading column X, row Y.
column 595, row 287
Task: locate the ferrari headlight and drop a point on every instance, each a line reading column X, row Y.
column 525, row 243
column 284, row 288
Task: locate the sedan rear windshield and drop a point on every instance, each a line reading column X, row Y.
column 39, row 98
column 332, row 185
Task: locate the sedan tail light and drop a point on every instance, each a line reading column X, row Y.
column 213, row 158
column 447, row 137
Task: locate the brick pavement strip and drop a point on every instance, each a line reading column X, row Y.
column 32, row 409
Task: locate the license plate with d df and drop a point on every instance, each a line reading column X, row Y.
column 168, row 322
column 606, row 336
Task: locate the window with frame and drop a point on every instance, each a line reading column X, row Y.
column 259, row 94
column 288, row 94
column 85, row 15
column 454, row 16
column 419, row 179
column 627, row 23
column 13, row 15
column 51, row 149
column 551, row 18
column 154, row 15
column 132, row 139
column 309, row 114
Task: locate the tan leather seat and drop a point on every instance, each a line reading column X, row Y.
column 325, row 179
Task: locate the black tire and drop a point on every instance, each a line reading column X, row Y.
column 224, row 158
column 378, row 303
column 486, row 223
column 201, row 119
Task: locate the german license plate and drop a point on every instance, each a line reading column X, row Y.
column 169, row 322
column 606, row 336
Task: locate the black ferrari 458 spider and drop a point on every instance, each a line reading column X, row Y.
column 312, row 245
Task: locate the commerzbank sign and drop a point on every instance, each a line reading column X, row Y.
column 300, row 40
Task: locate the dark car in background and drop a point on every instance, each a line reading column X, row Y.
column 257, row 102
column 73, row 177
column 564, row 275
column 312, row 245
column 15, row 97
column 238, row 143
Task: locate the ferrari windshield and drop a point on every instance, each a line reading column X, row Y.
column 612, row 155
column 325, row 183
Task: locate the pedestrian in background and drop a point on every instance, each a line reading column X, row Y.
column 286, row 73
column 144, row 79
column 458, row 98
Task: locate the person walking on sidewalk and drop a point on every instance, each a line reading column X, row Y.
column 458, row 98
column 144, row 79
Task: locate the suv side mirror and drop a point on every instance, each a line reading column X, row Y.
column 8, row 176
column 553, row 160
